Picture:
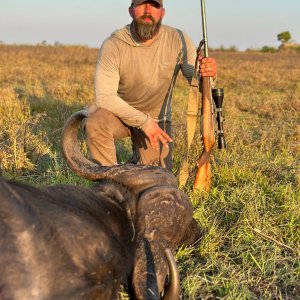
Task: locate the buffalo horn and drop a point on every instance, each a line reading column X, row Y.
column 173, row 291
column 136, row 177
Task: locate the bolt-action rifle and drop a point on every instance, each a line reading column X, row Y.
column 209, row 97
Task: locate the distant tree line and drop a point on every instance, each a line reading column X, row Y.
column 285, row 38
column 287, row 43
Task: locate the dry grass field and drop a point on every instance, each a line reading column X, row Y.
column 251, row 218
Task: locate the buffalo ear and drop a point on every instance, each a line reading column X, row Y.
column 193, row 234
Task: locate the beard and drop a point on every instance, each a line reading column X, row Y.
column 146, row 31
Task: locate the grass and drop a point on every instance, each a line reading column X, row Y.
column 250, row 219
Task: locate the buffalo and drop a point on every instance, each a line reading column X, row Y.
column 70, row 242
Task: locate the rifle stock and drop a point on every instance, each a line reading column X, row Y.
column 207, row 113
column 203, row 175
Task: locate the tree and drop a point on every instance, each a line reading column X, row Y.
column 284, row 37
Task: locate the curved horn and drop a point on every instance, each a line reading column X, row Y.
column 136, row 177
column 173, row 291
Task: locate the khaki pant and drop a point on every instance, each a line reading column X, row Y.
column 103, row 128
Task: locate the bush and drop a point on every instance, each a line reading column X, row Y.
column 268, row 49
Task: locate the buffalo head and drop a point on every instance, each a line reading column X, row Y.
column 163, row 213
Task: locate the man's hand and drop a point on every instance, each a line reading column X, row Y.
column 208, row 67
column 156, row 134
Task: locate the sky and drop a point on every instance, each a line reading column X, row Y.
column 243, row 24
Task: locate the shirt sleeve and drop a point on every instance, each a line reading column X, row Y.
column 189, row 57
column 107, row 79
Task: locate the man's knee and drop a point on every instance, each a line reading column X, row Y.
column 100, row 121
column 105, row 125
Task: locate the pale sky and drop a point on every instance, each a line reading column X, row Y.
column 240, row 23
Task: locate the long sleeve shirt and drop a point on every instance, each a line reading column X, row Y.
column 133, row 80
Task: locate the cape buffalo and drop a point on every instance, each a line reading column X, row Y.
column 68, row 242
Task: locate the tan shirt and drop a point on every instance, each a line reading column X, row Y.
column 133, row 80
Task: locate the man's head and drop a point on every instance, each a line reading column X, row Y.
column 147, row 16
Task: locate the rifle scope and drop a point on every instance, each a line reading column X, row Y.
column 218, row 96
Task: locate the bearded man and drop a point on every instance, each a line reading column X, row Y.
column 135, row 75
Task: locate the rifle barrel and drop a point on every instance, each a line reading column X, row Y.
column 204, row 28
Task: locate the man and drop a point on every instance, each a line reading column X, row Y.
column 135, row 75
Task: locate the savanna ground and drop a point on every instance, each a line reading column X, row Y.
column 250, row 219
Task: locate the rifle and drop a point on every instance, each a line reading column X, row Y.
column 209, row 97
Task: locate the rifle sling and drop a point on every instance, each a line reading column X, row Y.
column 191, row 123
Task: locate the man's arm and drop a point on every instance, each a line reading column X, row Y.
column 106, row 87
column 189, row 56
